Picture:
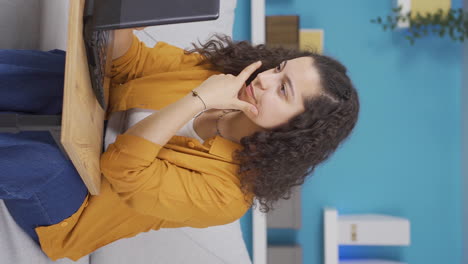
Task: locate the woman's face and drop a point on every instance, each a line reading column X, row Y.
column 279, row 93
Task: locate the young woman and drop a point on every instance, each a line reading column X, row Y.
column 209, row 130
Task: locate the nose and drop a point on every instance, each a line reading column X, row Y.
column 265, row 80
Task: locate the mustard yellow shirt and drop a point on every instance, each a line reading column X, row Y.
column 147, row 186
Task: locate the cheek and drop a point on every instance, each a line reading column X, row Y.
column 271, row 113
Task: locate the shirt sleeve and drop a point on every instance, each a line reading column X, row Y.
column 140, row 60
column 156, row 187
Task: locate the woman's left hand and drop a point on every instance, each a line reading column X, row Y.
column 220, row 91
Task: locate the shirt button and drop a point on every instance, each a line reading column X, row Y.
column 191, row 144
column 86, row 204
column 64, row 224
column 210, row 142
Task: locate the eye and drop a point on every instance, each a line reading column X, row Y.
column 283, row 88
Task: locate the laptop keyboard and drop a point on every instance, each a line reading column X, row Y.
column 99, row 40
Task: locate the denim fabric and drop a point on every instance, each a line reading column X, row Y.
column 38, row 184
column 31, row 81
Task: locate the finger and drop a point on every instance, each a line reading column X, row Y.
column 246, row 107
column 249, row 70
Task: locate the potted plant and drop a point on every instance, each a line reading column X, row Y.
column 452, row 23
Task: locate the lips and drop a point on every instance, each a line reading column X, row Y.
column 251, row 92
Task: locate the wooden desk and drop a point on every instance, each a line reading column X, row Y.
column 82, row 116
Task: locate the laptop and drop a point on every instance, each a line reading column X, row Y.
column 102, row 16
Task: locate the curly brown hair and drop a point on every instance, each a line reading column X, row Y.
column 274, row 161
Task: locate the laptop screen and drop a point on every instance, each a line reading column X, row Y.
column 116, row 14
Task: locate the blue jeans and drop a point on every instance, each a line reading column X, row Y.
column 39, row 186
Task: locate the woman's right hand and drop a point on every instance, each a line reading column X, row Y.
column 221, row 91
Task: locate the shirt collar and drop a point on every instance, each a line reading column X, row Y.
column 215, row 145
column 223, row 147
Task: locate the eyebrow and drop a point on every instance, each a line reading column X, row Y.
column 291, row 87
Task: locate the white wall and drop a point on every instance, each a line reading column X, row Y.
column 18, row 24
column 53, row 24
column 33, row 24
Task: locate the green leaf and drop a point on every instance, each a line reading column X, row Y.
column 418, row 16
column 379, row 20
column 442, row 32
column 397, row 9
column 410, row 39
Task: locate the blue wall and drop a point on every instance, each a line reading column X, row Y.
column 404, row 156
